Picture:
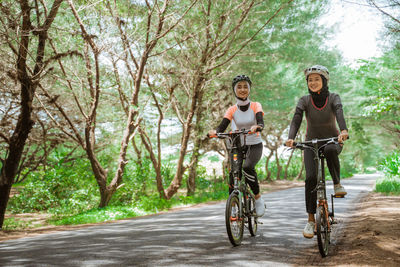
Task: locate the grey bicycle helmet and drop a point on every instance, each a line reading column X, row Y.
column 321, row 70
column 240, row 78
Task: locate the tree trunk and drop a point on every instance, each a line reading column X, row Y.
column 100, row 175
column 177, row 181
column 197, row 94
column 16, row 147
column 225, row 169
column 155, row 160
column 287, row 164
column 191, row 181
column 267, row 171
column 278, row 166
column 302, row 167
column 105, row 196
column 4, row 196
column 138, row 152
column 24, row 123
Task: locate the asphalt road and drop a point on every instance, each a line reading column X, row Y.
column 193, row 236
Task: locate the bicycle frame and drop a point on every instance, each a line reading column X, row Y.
column 324, row 218
column 241, row 201
column 320, row 170
column 240, row 186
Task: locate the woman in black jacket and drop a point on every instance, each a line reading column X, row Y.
column 323, row 109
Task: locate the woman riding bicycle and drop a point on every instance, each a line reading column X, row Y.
column 322, row 108
column 246, row 115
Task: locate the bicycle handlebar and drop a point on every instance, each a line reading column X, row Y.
column 314, row 141
column 309, row 144
column 237, row 132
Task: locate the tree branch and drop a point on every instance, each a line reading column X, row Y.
column 384, row 12
column 56, row 122
column 250, row 39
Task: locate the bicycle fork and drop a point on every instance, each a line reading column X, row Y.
column 239, row 193
column 324, row 204
column 329, row 215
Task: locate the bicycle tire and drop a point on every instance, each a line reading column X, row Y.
column 234, row 223
column 252, row 219
column 323, row 234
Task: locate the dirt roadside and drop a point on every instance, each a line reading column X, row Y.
column 371, row 237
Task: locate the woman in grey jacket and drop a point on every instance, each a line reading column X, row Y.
column 323, row 109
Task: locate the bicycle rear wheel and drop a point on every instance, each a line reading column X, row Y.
column 234, row 223
column 252, row 219
column 323, row 234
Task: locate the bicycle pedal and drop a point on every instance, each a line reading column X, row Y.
column 338, row 196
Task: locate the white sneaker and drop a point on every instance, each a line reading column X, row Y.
column 308, row 231
column 339, row 190
column 260, row 207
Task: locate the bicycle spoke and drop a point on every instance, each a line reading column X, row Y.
column 234, row 223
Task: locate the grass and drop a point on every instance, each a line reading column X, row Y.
column 388, row 185
column 148, row 205
column 391, row 168
column 12, row 224
column 98, row 215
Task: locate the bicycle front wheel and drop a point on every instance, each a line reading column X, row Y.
column 234, row 223
column 323, row 234
column 252, row 219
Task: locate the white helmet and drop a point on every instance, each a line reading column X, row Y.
column 317, row 69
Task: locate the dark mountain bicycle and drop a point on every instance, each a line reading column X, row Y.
column 324, row 218
column 240, row 206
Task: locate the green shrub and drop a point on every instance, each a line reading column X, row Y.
column 138, row 180
column 202, row 181
column 59, row 188
column 388, row 185
column 391, row 164
column 153, row 203
column 168, row 170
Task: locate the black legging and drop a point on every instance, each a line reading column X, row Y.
column 253, row 156
column 331, row 153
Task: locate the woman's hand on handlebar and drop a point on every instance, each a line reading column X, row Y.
column 211, row 133
column 343, row 136
column 289, row 143
column 254, row 128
